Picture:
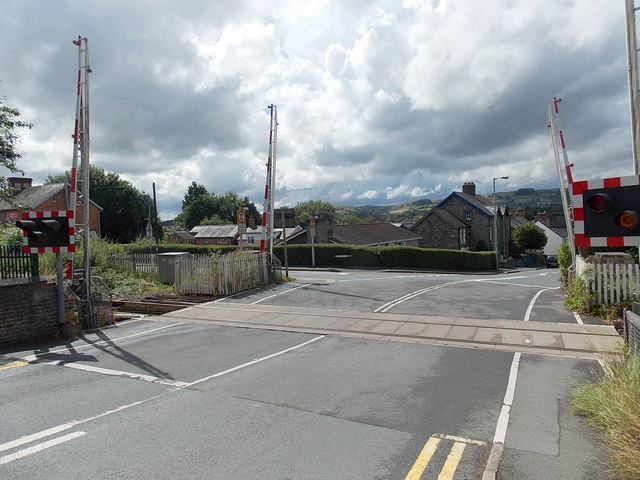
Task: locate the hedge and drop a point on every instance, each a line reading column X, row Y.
column 332, row 255
column 387, row 257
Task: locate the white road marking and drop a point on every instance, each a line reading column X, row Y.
column 253, row 362
column 417, row 293
column 40, row 447
column 286, row 291
column 33, row 358
column 74, row 423
column 527, row 314
column 578, row 318
column 119, row 373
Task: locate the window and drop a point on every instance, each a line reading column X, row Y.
column 467, row 215
column 222, row 241
column 462, row 237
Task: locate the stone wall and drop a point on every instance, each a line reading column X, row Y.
column 479, row 224
column 28, row 311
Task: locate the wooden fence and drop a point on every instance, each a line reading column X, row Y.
column 201, row 274
column 613, row 283
column 139, row 262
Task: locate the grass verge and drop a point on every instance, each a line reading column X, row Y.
column 612, row 406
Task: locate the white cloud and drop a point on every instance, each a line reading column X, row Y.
column 395, row 100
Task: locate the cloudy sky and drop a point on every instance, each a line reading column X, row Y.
column 378, row 101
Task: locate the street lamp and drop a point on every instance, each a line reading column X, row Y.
column 495, row 219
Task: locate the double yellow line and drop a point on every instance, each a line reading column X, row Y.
column 13, row 365
column 451, row 463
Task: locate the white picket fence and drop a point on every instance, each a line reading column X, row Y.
column 204, row 275
column 138, row 262
column 613, row 283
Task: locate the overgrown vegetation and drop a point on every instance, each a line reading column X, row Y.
column 612, row 406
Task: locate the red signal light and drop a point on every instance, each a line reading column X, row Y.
column 628, row 220
column 600, row 202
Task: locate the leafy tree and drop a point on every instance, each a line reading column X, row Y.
column 8, row 142
column 194, row 191
column 529, row 236
column 313, row 208
column 348, row 219
column 125, row 208
column 200, row 207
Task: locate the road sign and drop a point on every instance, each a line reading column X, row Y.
column 241, row 220
column 312, row 227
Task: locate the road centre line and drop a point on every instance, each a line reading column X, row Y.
column 74, row 423
column 253, row 362
column 384, row 308
column 40, row 447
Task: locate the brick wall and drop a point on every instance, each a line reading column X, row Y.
column 28, row 312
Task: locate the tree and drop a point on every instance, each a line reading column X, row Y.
column 529, row 236
column 200, row 207
column 125, row 208
column 314, row 208
column 8, row 142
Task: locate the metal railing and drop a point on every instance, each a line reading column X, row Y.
column 14, row 263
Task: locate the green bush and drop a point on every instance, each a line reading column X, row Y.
column 612, row 406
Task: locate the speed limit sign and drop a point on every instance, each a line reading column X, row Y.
column 241, row 220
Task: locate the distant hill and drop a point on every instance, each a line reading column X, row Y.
column 530, row 199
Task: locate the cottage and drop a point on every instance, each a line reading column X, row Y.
column 46, row 198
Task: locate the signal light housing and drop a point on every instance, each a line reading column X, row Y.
column 599, row 202
column 43, row 234
column 612, row 212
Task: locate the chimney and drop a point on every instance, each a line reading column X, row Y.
column 543, row 217
column 19, row 184
column 470, row 188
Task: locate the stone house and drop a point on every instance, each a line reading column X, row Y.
column 464, row 221
column 46, row 198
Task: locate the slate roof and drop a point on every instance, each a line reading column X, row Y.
column 371, row 234
column 214, row 231
column 448, row 217
column 31, row 197
column 472, row 200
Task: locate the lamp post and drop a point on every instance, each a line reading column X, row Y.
column 495, row 220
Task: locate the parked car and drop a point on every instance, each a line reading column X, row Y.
column 552, row 261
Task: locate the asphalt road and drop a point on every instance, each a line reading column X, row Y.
column 164, row 399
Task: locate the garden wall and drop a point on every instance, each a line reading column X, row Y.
column 28, row 311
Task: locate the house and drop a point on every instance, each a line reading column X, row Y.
column 464, row 221
column 554, row 226
column 215, row 234
column 373, row 234
column 46, row 198
column 182, row 236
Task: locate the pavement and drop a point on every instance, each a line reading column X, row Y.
column 544, row 338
